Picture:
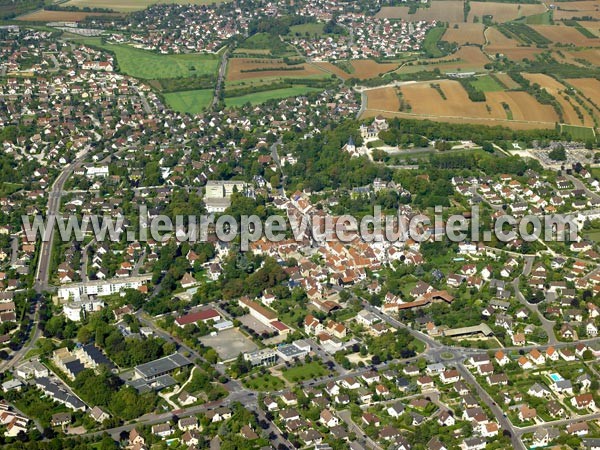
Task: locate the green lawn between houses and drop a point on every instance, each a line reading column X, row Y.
column 192, row 102
column 305, row 371
column 149, row 65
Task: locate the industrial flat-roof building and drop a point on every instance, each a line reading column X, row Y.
column 298, row 349
column 262, row 357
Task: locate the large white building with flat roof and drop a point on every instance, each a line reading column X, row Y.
column 101, row 288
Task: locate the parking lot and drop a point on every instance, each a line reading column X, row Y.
column 255, row 324
column 229, row 343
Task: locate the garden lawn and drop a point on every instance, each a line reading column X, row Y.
column 192, row 102
column 266, row 382
column 149, row 65
column 305, row 372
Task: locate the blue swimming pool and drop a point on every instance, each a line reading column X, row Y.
column 555, row 377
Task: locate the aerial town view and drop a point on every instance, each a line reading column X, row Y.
column 299, row 224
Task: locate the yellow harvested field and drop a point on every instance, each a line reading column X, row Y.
column 498, row 43
column 558, row 90
column 464, row 33
column 523, row 106
column 589, row 86
column 562, row 34
column 503, row 12
column 61, row 16
column 367, row 68
column 384, row 99
column 445, row 11
column 513, row 124
column 426, row 102
column 570, row 10
column 237, row 67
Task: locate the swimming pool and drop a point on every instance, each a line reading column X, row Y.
column 555, row 377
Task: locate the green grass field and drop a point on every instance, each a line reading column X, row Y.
column 431, row 39
column 305, row 372
column 147, row 65
column 266, row 382
column 192, row 102
column 593, row 235
column 544, row 18
column 131, row 5
column 579, row 133
column 311, row 28
column 486, row 84
column 261, row 97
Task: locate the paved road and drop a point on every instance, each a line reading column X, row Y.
column 361, row 437
column 498, row 413
column 547, row 325
column 144, row 100
column 581, row 185
column 140, row 262
column 14, row 250
column 52, row 209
